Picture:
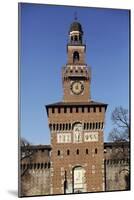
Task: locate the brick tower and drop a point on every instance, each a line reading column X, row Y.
column 76, row 125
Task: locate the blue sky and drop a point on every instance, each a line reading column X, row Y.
column 43, row 39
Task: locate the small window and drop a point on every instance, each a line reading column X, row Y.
column 84, row 126
column 76, row 109
column 99, row 109
column 94, row 109
column 90, row 125
column 45, row 165
column 58, row 153
column 68, row 152
column 83, row 109
column 88, row 109
column 96, row 125
column 77, row 152
column 96, row 151
column 71, row 110
column 65, row 110
column 87, row 126
column 52, row 110
column 86, row 151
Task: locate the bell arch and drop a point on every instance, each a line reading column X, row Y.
column 76, row 57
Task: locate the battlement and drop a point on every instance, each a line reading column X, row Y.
column 117, row 161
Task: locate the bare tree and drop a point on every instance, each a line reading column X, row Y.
column 121, row 129
column 26, row 153
column 24, row 150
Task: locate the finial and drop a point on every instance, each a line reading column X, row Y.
column 75, row 15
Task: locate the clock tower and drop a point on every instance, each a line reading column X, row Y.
column 76, row 125
column 76, row 74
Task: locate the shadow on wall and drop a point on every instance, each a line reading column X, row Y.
column 13, row 192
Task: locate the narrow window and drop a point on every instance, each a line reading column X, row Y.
column 99, row 109
column 75, row 57
column 71, row 110
column 96, row 151
column 99, row 126
column 88, row 109
column 58, row 153
column 77, row 152
column 65, row 110
column 86, row 151
column 45, row 165
column 94, row 109
column 68, row 152
column 66, row 126
column 76, row 109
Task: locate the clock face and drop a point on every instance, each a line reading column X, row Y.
column 77, row 87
